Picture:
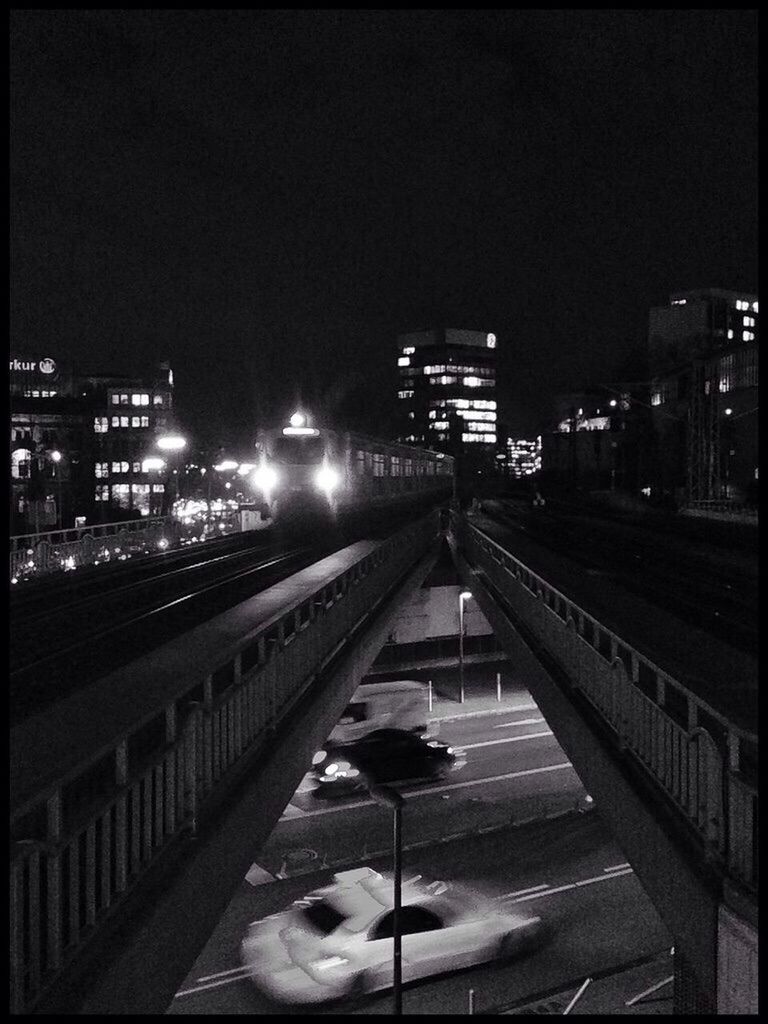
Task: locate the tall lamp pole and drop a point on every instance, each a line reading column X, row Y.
column 463, row 596
column 56, row 459
column 389, row 797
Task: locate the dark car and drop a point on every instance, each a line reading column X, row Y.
column 386, row 755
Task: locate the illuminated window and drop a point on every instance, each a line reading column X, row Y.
column 158, row 488
column 115, row 399
column 125, row 399
column 157, row 400
column 749, row 321
column 101, row 469
column 100, row 425
column 439, row 425
column 120, row 467
column 678, row 302
column 102, row 492
column 135, row 421
column 411, row 415
column 121, row 495
column 491, row 341
column 20, row 464
column 730, row 333
column 754, row 307
column 403, row 361
column 408, row 350
column 405, row 394
column 137, row 467
column 747, row 335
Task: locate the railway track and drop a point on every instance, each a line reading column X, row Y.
column 703, row 591
column 97, row 633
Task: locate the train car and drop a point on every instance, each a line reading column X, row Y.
column 312, row 473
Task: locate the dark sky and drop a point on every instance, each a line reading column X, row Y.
column 267, row 198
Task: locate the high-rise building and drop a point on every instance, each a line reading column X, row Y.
column 447, row 390
column 703, row 358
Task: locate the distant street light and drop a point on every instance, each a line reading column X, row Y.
column 387, row 796
column 171, row 443
column 463, row 596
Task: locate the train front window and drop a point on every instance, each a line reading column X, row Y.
column 299, row 451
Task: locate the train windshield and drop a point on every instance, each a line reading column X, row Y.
column 299, row 451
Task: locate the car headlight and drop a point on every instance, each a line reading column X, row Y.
column 327, row 479
column 264, row 478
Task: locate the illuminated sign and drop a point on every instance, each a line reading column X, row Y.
column 491, row 341
column 47, row 366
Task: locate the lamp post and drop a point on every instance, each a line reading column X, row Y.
column 389, row 797
column 463, row 596
column 170, row 443
column 56, row 459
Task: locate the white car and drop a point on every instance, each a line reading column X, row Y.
column 337, row 941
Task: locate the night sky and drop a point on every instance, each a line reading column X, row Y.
column 267, row 198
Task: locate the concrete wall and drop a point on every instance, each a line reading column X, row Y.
column 434, row 612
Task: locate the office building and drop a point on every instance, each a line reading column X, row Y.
column 447, row 390
column 703, row 358
column 79, row 444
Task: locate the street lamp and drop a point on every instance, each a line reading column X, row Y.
column 56, row 459
column 171, row 443
column 389, row 797
column 463, row 596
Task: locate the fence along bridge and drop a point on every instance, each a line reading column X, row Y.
column 123, row 819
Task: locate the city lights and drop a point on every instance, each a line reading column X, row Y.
column 171, row 443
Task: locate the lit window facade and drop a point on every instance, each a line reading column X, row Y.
column 446, row 368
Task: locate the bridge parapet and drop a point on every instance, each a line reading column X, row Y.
column 84, row 839
column 689, row 749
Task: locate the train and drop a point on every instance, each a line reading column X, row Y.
column 314, row 473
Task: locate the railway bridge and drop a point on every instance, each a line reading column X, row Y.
column 139, row 802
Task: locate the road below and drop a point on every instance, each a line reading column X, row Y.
column 506, row 823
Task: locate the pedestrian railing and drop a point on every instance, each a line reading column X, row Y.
column 699, row 758
column 80, row 846
column 37, row 554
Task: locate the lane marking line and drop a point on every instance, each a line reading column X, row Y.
column 523, row 721
column 615, row 867
column 223, row 974
column 439, row 789
column 212, row 984
column 573, row 885
column 507, row 739
column 524, row 892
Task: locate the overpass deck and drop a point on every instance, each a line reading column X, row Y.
column 64, row 734
column 723, row 677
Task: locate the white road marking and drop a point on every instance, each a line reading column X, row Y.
column 507, row 739
column 441, row 789
column 615, row 867
column 523, row 721
column 573, row 885
column 213, row 984
column 258, row 875
column 223, row 974
column 291, row 811
column 524, row 892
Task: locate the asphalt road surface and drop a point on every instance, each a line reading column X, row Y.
column 511, row 822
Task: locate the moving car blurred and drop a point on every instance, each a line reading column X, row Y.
column 385, row 755
column 395, row 704
column 337, row 942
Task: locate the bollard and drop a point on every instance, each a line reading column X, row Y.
column 471, row 1001
column 430, row 694
column 498, row 686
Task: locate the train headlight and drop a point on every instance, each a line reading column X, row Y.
column 264, row 478
column 327, row 479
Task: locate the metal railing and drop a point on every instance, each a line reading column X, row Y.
column 691, row 750
column 37, row 554
column 80, row 846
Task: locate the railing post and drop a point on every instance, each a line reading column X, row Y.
column 53, row 816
